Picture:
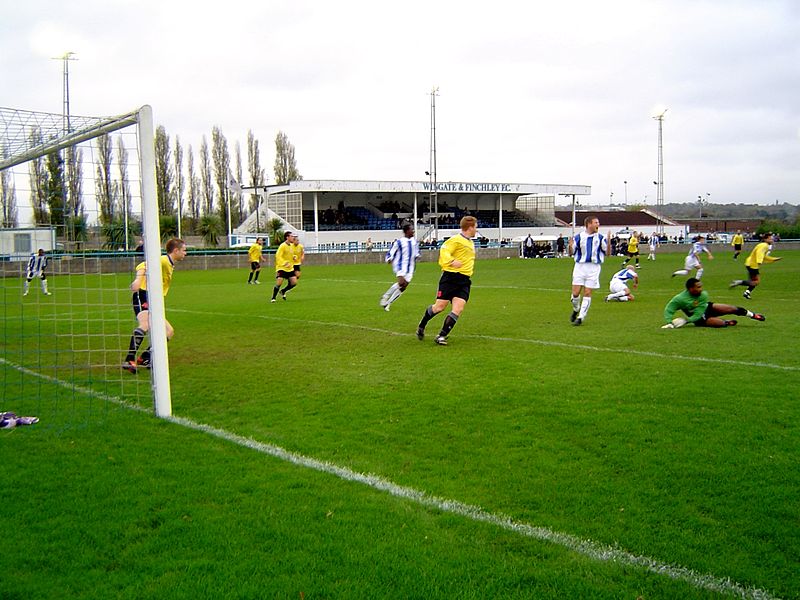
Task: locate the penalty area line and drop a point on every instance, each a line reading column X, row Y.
column 586, row 547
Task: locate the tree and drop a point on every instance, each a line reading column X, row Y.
column 56, row 193
column 222, row 164
column 257, row 177
column 275, row 232
column 163, row 172
column 238, row 211
column 179, row 178
column 74, row 164
column 103, row 188
column 192, row 191
column 285, row 165
column 39, row 176
column 210, row 228
column 206, row 181
column 124, row 189
column 8, row 196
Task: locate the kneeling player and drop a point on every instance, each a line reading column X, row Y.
column 619, row 285
column 700, row 311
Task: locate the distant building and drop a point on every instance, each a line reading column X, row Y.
column 644, row 221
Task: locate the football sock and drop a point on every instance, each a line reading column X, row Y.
column 743, row 312
column 429, row 314
column 395, row 294
column 389, row 293
column 750, row 286
column 585, row 303
column 575, row 303
column 680, row 272
column 136, row 340
column 275, row 291
column 249, row 279
column 256, row 277
column 27, row 285
column 449, row 323
column 623, row 298
column 288, row 287
column 699, row 273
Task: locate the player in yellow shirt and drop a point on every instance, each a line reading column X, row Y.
column 758, row 256
column 254, row 254
column 738, row 243
column 284, row 267
column 299, row 254
column 176, row 252
column 457, row 259
column 633, row 249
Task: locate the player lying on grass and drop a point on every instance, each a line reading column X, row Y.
column 700, row 311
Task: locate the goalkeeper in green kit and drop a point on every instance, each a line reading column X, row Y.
column 700, row 311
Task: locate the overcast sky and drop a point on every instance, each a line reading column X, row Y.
column 529, row 92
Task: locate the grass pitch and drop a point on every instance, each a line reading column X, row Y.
column 678, row 446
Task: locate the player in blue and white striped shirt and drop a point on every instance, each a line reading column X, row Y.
column 589, row 249
column 36, row 266
column 619, row 285
column 692, row 260
column 403, row 255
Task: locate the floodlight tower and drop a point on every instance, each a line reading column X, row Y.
column 660, row 182
column 66, row 125
column 432, row 171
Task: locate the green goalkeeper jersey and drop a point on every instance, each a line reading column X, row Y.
column 693, row 306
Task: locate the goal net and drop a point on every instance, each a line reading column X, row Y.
column 79, row 212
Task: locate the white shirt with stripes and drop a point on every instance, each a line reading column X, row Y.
column 590, row 248
column 403, row 255
column 36, row 266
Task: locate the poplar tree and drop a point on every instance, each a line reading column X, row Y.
column 285, row 164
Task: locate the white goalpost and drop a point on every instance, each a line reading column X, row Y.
column 73, row 337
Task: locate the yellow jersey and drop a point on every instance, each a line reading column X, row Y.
column 759, row 255
column 167, row 267
column 633, row 245
column 284, row 257
column 461, row 248
column 737, row 240
column 297, row 253
column 254, row 253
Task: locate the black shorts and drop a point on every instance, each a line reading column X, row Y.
column 285, row 274
column 752, row 272
column 453, row 285
column 709, row 312
column 297, row 268
column 255, row 265
column 737, row 247
column 140, row 301
column 632, row 254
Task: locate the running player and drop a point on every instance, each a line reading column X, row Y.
column 457, row 259
column 692, row 260
column 403, row 255
column 298, row 254
column 633, row 249
column 284, row 267
column 758, row 256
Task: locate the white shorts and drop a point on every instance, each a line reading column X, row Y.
column 587, row 275
column 617, row 286
column 406, row 276
column 691, row 262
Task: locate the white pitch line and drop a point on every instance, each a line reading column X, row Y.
column 586, row 547
column 567, row 345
